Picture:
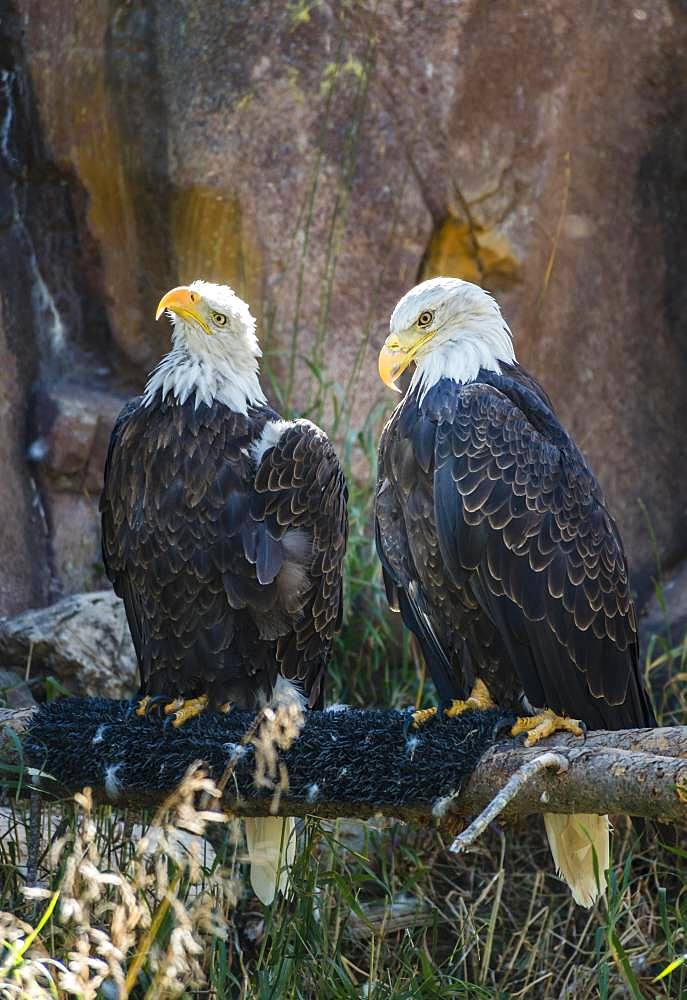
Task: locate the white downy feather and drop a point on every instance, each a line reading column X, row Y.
column 271, row 843
column 573, row 840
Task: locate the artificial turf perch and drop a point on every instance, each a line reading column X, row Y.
column 363, row 758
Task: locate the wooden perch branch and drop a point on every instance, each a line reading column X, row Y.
column 639, row 772
column 634, row 772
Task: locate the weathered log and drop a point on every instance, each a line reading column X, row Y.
column 635, row 772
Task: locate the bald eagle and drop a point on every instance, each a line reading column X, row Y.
column 497, row 545
column 223, row 531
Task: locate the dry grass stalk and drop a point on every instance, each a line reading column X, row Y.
column 109, row 917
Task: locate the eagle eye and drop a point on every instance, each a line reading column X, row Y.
column 219, row 318
column 425, row 318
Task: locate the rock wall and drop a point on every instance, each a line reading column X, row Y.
column 24, row 569
column 321, row 158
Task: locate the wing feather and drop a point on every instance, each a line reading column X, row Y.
column 300, row 487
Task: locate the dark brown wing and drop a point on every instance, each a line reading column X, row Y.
column 414, row 576
column 518, row 510
column 174, row 509
column 300, row 488
column 113, row 542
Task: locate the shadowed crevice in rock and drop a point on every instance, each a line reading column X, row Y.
column 662, row 187
column 23, row 532
column 45, row 202
column 52, row 323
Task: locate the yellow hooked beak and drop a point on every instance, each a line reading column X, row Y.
column 395, row 357
column 185, row 303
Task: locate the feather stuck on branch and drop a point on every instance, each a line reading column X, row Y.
column 354, row 763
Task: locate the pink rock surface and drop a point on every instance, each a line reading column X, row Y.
column 322, row 158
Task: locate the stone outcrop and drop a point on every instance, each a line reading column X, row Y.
column 322, row 158
column 83, row 641
column 68, row 448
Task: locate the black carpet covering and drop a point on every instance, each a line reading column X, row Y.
column 342, row 755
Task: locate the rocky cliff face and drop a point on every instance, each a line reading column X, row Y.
column 321, row 158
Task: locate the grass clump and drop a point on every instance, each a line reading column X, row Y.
column 121, row 906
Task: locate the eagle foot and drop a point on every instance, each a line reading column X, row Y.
column 422, row 716
column 546, row 723
column 182, row 710
column 479, row 699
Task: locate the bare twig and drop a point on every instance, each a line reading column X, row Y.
column 513, row 786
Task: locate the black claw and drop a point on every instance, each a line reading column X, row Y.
column 155, row 707
column 584, row 728
column 442, row 709
column 503, row 727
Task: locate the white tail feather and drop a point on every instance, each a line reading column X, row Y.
column 271, row 844
column 573, row 840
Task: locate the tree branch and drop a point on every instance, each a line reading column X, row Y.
column 355, row 763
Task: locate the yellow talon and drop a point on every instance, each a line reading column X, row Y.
column 479, row 698
column 546, row 723
column 142, row 706
column 424, row 715
column 185, row 710
column 225, row 709
column 174, row 706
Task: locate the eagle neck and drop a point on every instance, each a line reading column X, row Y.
column 210, row 378
column 483, row 345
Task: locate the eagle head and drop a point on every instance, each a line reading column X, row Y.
column 450, row 328
column 203, row 310
column 215, row 351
